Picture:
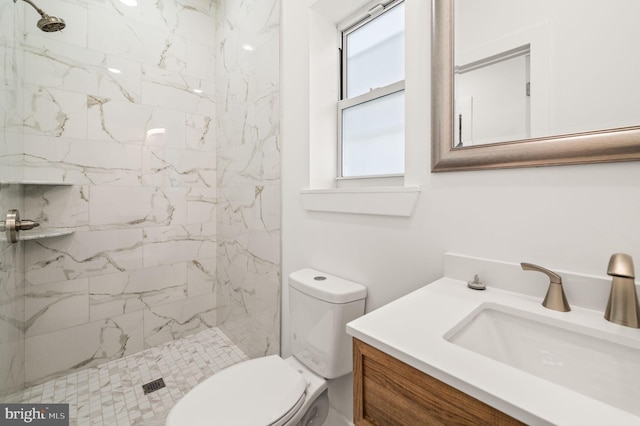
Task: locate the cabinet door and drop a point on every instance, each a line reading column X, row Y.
column 389, row 392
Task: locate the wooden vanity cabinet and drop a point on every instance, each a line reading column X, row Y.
column 390, row 392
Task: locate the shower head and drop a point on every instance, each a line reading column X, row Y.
column 51, row 24
column 47, row 23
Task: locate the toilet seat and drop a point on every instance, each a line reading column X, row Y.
column 261, row 391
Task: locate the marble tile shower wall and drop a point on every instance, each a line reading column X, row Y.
column 121, row 105
column 11, row 255
column 248, row 164
column 11, row 306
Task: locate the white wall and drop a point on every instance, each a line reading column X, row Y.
column 570, row 217
column 585, row 43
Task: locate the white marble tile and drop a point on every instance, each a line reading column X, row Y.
column 55, row 112
column 264, row 246
column 175, row 320
column 247, row 282
column 83, row 254
column 201, row 60
column 9, row 194
column 11, row 292
column 82, row 346
column 56, row 306
column 11, row 302
column 114, row 35
column 248, row 208
column 51, row 63
column 117, row 121
column 116, row 294
column 251, row 76
column 12, row 137
column 82, row 161
column 178, row 198
column 197, row 17
column 166, row 128
column 200, row 133
column 11, row 169
column 201, row 277
column 201, row 205
column 160, row 15
column 248, row 178
column 11, row 18
column 131, row 207
column 11, row 369
column 253, row 23
column 172, row 167
column 11, row 103
column 168, row 89
column 167, row 245
column 119, row 78
column 57, row 206
column 252, row 157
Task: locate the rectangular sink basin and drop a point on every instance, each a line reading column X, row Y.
column 591, row 362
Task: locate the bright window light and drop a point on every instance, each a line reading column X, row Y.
column 371, row 112
column 373, row 137
column 375, row 53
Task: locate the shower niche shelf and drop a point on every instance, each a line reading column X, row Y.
column 35, row 183
column 38, row 235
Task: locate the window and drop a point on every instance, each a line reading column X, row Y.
column 371, row 111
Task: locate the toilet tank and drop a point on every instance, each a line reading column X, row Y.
column 320, row 306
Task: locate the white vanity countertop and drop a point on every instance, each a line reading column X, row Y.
column 411, row 329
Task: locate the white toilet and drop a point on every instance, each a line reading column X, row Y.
column 284, row 392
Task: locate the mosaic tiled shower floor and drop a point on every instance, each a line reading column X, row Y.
column 111, row 394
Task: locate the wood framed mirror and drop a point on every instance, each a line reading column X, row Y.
column 582, row 147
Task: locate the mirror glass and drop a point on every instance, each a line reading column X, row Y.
column 528, row 69
column 576, row 62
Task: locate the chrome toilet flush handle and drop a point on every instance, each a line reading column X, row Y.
column 555, row 298
column 12, row 225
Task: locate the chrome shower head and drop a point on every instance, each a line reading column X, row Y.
column 47, row 23
column 51, row 24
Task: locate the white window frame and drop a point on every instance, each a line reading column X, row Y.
column 376, row 93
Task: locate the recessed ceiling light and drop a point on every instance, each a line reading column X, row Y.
column 114, row 70
column 198, row 91
column 248, row 47
column 131, row 3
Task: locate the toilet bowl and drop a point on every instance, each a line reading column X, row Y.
column 271, row 391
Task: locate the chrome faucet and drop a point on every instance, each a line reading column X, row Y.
column 555, row 298
column 622, row 307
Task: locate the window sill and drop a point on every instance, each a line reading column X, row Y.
column 384, row 201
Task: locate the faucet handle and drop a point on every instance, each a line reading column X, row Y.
column 621, row 265
column 555, row 298
column 553, row 277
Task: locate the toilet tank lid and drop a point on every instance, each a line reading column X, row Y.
column 326, row 287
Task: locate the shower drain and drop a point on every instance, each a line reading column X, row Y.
column 153, row 386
